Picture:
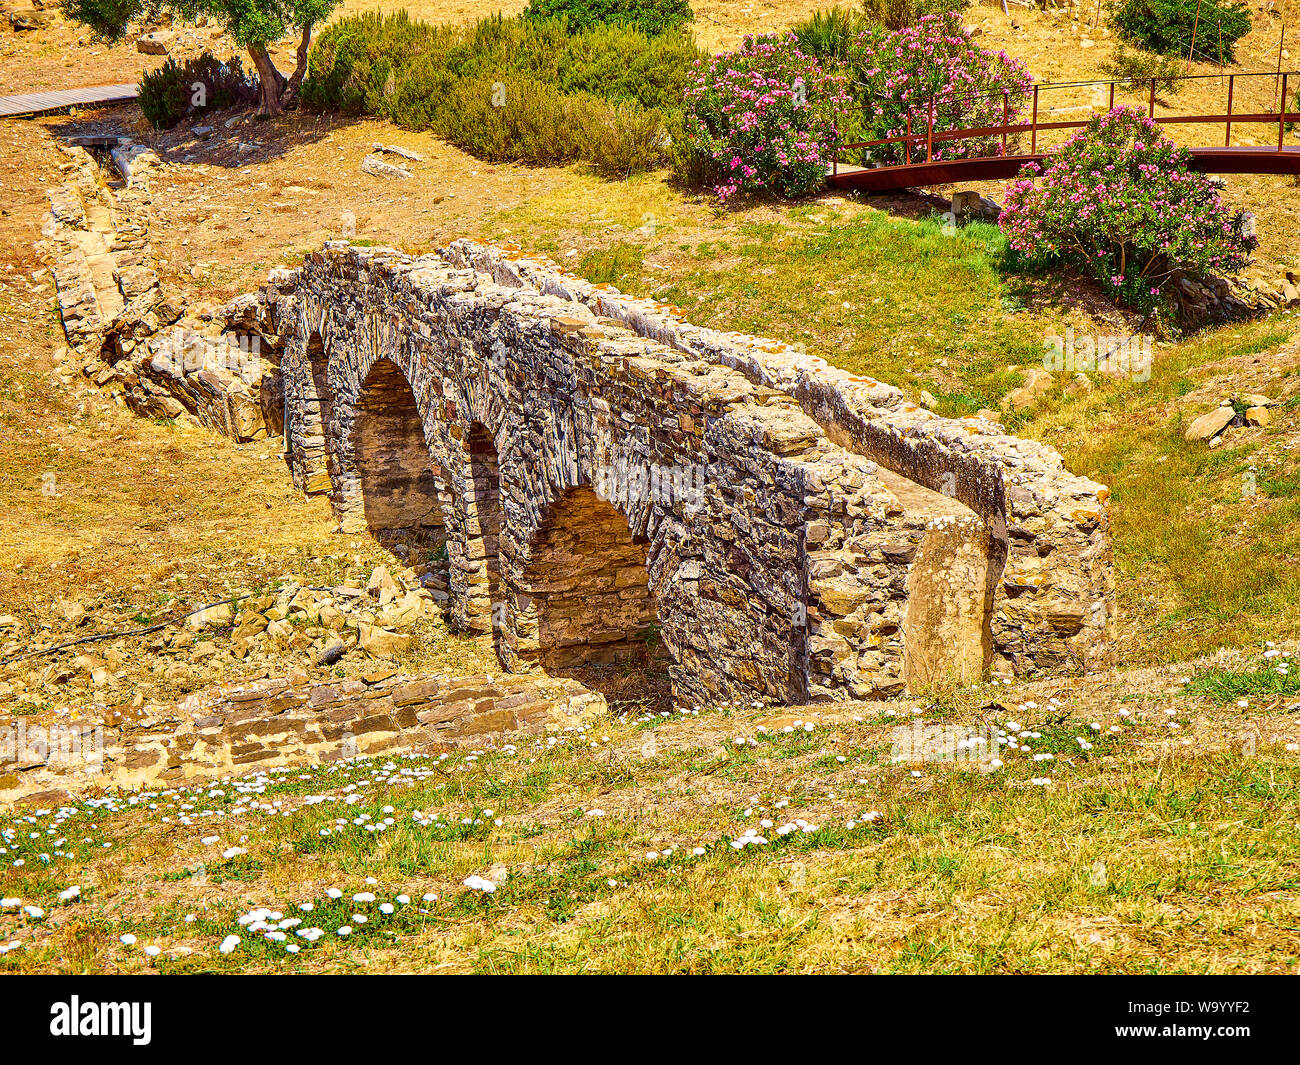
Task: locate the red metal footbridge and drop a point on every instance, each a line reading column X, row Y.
column 929, row 148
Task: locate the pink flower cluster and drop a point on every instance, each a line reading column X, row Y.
column 934, row 67
column 1122, row 202
column 767, row 115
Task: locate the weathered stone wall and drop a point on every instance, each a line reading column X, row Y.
column 242, row 728
column 806, row 534
column 1050, row 568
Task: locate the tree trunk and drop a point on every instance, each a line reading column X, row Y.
column 270, row 80
column 300, row 70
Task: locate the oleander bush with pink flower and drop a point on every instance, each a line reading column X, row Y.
column 763, row 119
column 899, row 74
column 1122, row 202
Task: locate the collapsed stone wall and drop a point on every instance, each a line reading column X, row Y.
column 127, row 335
column 845, row 542
column 246, row 727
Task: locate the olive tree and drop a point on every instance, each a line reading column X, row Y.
column 252, row 24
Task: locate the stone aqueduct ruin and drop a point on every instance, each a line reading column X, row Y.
column 605, row 476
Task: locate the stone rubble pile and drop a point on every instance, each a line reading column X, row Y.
column 294, row 626
column 1232, row 412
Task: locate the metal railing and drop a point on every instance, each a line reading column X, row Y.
column 1007, row 134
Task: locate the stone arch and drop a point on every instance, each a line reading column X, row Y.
column 584, row 597
column 395, row 489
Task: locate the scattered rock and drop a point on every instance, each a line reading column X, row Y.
column 1080, row 384
column 1257, row 416
column 393, row 149
column 70, row 610
column 1038, row 382
column 203, row 650
column 372, row 164
column 382, row 585
column 157, row 43
column 1211, row 424
column 333, row 650
column 29, row 19
column 379, row 674
column 380, row 642
column 214, row 617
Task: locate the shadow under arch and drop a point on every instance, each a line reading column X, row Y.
column 588, row 593
column 397, row 477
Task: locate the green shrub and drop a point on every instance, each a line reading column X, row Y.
column 648, row 16
column 1142, row 67
column 624, row 138
column 830, row 34
column 359, row 63
column 525, row 120
column 692, row 165
column 175, row 91
column 510, row 89
column 1166, row 26
column 895, row 14
column 1124, row 203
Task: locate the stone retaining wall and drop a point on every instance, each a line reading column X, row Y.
column 222, row 731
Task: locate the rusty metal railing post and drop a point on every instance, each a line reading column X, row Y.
column 1227, row 136
column 929, row 133
column 1112, row 97
column 1033, row 126
column 908, row 144
column 1151, row 108
column 1006, row 120
column 1281, row 116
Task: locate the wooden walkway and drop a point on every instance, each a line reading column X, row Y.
column 1234, row 160
column 35, row 103
column 1007, row 158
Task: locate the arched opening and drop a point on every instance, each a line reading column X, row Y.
column 587, row 590
column 396, row 474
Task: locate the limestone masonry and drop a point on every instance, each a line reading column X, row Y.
column 266, row 723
